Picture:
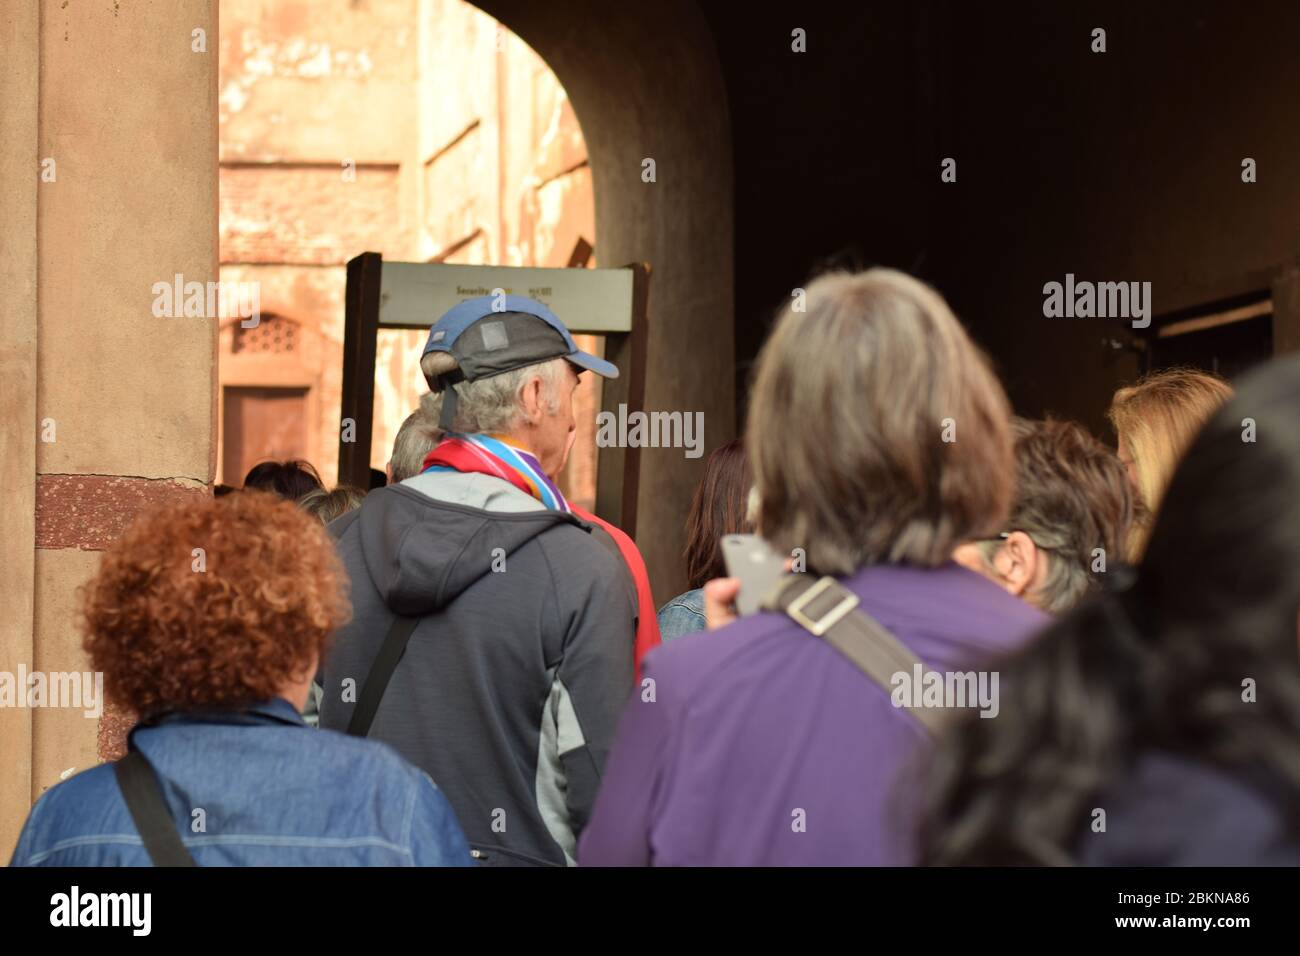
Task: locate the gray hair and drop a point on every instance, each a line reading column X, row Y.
column 492, row 404
column 847, row 420
column 1072, row 497
column 1065, row 582
column 325, row 506
column 416, row 438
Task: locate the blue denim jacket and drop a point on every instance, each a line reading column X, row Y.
column 254, row 788
column 684, row 614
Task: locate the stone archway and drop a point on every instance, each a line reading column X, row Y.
column 647, row 84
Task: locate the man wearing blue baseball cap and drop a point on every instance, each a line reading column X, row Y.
column 492, row 634
column 494, row 334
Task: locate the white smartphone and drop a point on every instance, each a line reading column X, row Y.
column 750, row 558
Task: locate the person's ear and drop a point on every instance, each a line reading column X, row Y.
column 533, row 396
column 1017, row 563
column 970, row 557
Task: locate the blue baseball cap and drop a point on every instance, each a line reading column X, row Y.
column 500, row 333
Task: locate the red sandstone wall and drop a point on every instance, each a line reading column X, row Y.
column 466, row 150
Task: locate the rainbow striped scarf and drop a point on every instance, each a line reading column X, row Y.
column 493, row 455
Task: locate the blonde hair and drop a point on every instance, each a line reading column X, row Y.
column 1155, row 420
column 877, row 432
column 417, row 436
column 325, row 506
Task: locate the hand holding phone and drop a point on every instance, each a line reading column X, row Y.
column 720, row 602
column 751, row 560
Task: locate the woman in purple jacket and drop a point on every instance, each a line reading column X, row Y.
column 879, row 441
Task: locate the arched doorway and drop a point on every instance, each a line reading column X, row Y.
column 632, row 82
column 424, row 130
column 388, row 126
column 646, row 84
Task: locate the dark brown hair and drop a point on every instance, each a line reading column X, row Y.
column 1157, row 667
column 288, row 479
column 719, row 507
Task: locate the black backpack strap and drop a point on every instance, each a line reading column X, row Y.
column 143, row 793
column 827, row 609
column 605, row 538
column 381, row 671
column 609, row 541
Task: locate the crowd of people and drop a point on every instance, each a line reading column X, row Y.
column 491, row 683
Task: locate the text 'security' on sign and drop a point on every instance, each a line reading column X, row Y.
column 412, row 295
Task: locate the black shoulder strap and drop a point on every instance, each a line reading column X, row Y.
column 830, row 611
column 611, row 543
column 143, row 793
column 605, row 538
column 381, row 671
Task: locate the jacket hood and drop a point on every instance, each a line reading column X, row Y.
column 421, row 552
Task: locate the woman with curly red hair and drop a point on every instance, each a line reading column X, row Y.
column 207, row 620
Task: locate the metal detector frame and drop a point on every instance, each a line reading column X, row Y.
column 617, row 468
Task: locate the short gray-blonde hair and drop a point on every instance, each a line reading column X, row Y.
column 416, row 437
column 876, row 429
column 492, row 404
column 325, row 506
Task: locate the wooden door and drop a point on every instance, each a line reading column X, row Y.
column 261, row 423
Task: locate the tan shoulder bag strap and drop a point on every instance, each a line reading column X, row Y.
column 827, row 609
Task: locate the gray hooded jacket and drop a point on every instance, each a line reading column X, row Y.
column 513, row 681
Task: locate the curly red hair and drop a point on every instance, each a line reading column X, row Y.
column 173, row 627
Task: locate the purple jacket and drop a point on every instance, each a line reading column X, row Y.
column 764, row 746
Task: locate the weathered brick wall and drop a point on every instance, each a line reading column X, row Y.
column 308, row 215
column 466, row 150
